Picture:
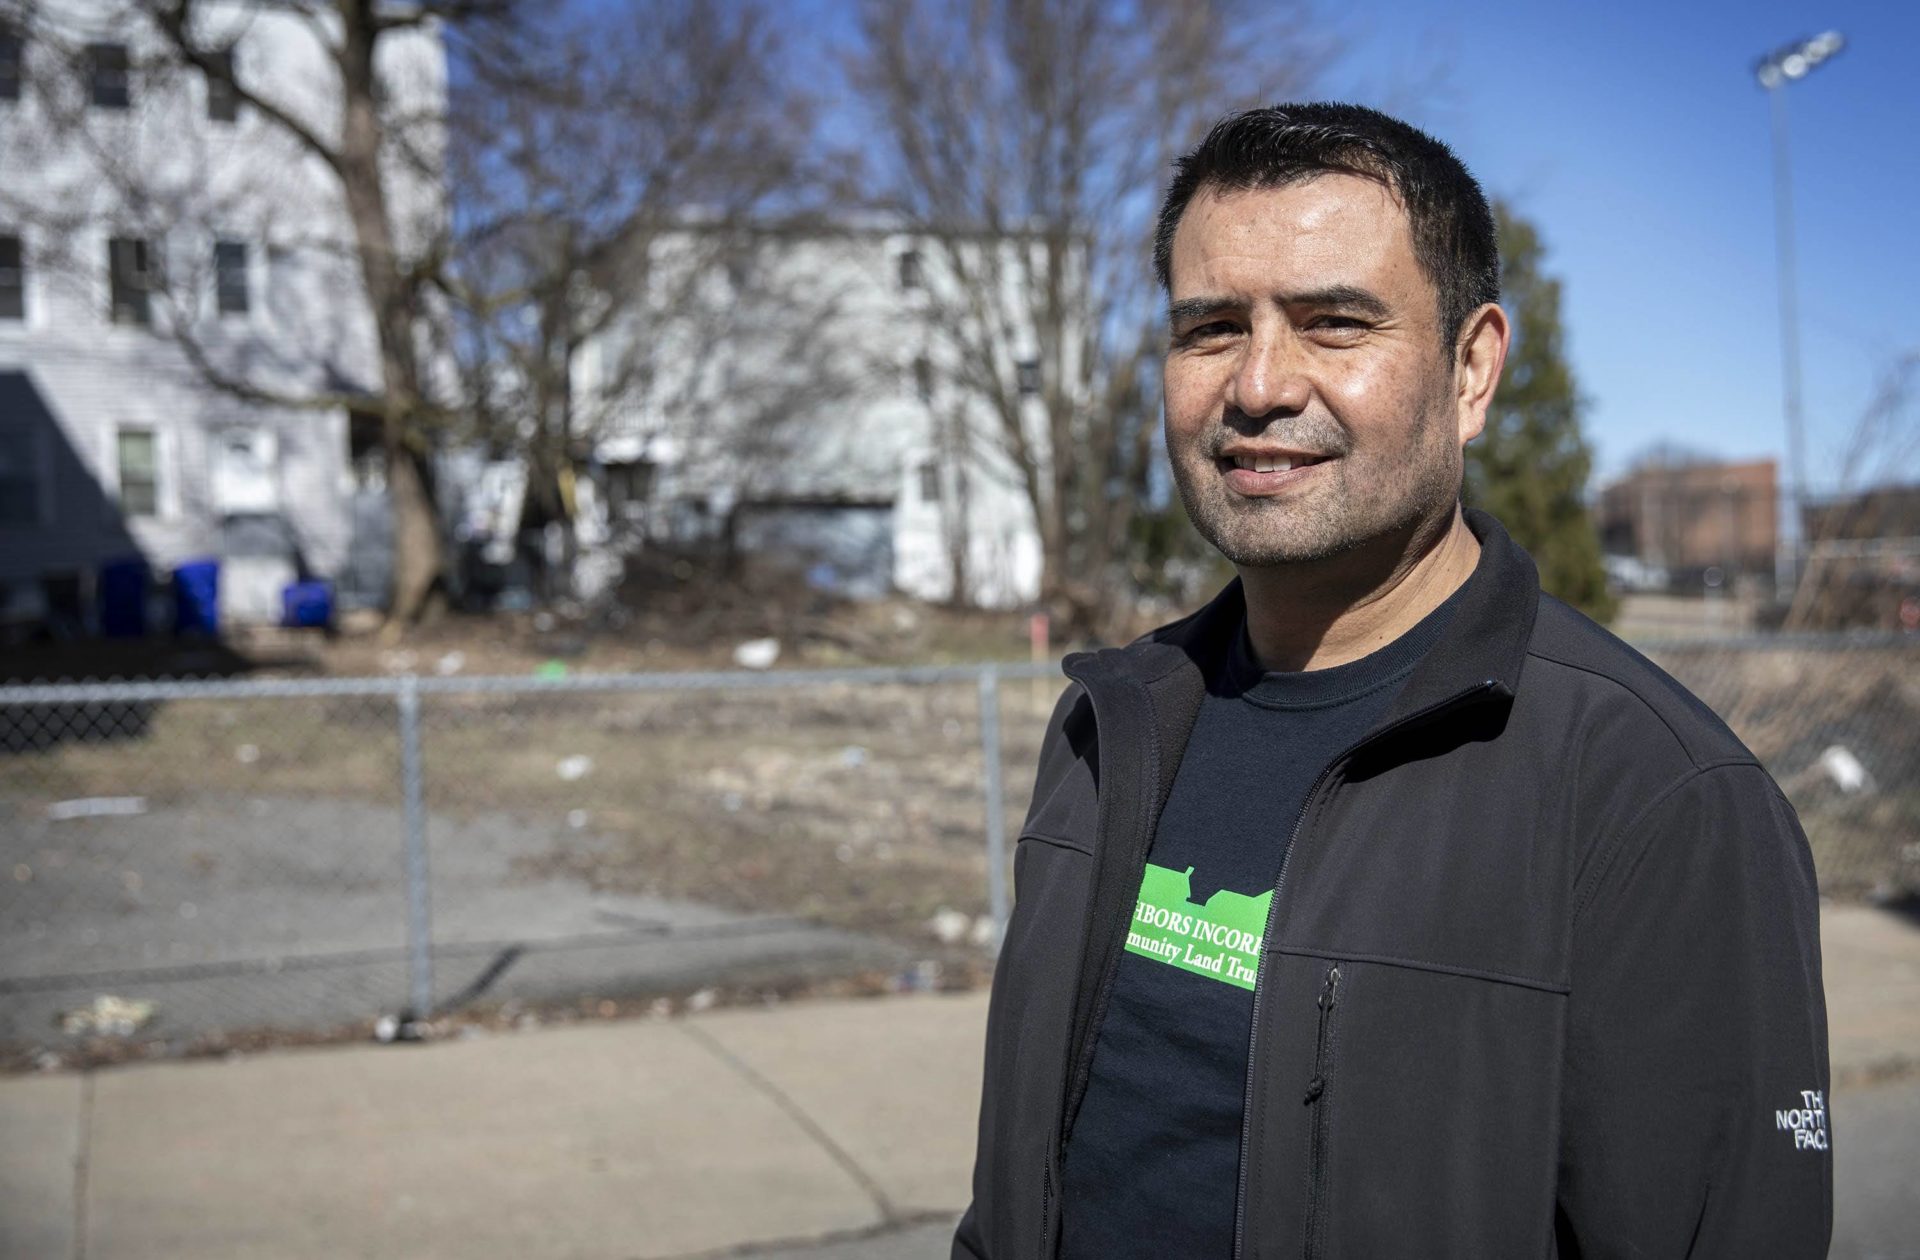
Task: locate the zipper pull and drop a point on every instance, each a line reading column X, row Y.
column 1318, row 1085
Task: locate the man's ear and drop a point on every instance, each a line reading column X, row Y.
column 1478, row 358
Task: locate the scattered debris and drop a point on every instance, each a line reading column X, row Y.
column 550, row 669
column 922, row 977
column 577, row 819
column 452, row 663
column 1845, row 770
column 949, row 926
column 398, row 661
column 97, row 807
column 573, row 768
column 109, row 1016
column 701, row 1000
column 247, row 754
column 757, row 654
column 403, row 1027
column 853, row 756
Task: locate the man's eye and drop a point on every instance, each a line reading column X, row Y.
column 1339, row 323
column 1202, row 332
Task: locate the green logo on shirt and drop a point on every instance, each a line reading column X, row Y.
column 1220, row 940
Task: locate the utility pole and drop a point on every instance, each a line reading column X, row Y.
column 1775, row 71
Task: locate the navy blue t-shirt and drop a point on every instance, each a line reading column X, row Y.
column 1152, row 1165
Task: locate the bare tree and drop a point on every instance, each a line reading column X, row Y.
column 610, row 178
column 1024, row 142
column 1845, row 538
column 355, row 134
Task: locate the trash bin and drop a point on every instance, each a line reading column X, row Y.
column 307, row 604
column 123, row 597
column 196, row 597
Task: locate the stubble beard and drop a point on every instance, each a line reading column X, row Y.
column 1360, row 500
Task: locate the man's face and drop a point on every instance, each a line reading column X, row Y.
column 1304, row 332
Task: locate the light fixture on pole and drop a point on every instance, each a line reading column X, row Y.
column 1775, row 71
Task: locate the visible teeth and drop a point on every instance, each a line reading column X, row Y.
column 1262, row 463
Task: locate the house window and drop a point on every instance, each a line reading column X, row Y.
column 923, row 379
column 109, row 76
column 11, row 46
column 13, row 280
column 19, row 476
column 1027, row 373
column 223, row 101
column 629, row 487
column 930, row 482
column 130, row 264
column 910, row 277
column 139, row 472
column 230, row 276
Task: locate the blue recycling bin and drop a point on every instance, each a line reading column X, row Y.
column 307, row 605
column 123, row 597
column 196, row 597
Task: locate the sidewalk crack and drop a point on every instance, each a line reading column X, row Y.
column 889, row 1214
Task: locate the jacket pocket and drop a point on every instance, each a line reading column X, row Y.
column 1318, row 1097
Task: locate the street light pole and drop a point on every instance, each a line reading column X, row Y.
column 1787, row 574
column 1775, row 71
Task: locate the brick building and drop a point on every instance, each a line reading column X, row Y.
column 1689, row 517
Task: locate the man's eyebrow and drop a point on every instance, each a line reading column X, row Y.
column 1340, row 297
column 1195, row 308
column 1344, row 297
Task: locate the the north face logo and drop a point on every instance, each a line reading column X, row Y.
column 1808, row 1121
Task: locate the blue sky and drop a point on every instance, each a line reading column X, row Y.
column 1635, row 136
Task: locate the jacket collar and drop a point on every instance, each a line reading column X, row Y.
column 1480, row 653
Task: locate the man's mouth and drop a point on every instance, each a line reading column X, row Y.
column 1274, row 463
column 1269, row 472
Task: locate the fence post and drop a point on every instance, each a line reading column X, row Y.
column 419, row 904
column 996, row 810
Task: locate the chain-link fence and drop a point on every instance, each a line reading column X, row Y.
column 195, row 863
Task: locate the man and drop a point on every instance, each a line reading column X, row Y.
column 1386, row 906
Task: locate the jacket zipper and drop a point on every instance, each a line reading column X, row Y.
column 1259, row 990
column 1046, row 1202
column 1076, row 1063
column 1273, row 913
column 1316, row 1098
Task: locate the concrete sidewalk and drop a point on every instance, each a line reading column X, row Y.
column 750, row 1129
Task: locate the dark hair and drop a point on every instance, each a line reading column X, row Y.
column 1453, row 234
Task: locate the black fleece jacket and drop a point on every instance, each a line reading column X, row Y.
column 1541, row 976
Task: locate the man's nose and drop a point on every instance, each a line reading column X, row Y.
column 1270, row 377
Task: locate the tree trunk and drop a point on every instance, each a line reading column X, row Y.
column 416, row 526
column 416, row 532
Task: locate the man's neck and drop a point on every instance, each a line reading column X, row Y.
column 1330, row 612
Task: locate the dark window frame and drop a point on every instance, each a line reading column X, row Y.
column 130, row 300
column 109, row 76
column 147, row 481
column 13, row 62
column 13, row 278
column 911, row 269
column 232, row 288
column 923, row 381
column 223, row 98
column 1027, row 377
column 929, row 483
